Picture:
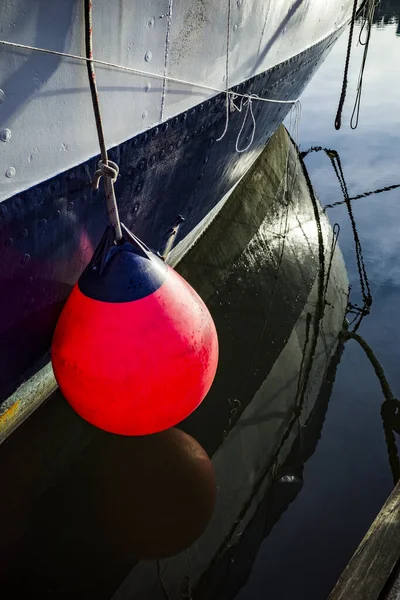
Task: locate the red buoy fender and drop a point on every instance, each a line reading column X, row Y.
column 140, row 366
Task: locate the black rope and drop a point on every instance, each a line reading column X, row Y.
column 367, row 23
column 365, row 288
column 386, row 391
column 389, row 414
column 338, row 120
column 390, row 409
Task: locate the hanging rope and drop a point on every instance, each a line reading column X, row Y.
column 107, row 169
column 338, row 120
column 368, row 16
column 249, row 107
column 379, row 372
column 390, row 409
column 390, row 420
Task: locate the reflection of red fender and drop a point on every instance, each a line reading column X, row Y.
column 153, row 495
column 139, row 366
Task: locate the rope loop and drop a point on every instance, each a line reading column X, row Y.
column 109, row 170
column 249, row 108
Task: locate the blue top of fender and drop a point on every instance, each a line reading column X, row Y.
column 122, row 272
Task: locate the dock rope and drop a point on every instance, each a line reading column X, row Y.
column 368, row 15
column 390, row 409
column 338, row 119
column 390, row 412
column 107, row 169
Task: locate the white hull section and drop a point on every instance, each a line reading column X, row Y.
column 44, row 100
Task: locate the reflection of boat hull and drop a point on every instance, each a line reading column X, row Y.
column 50, row 218
column 257, row 266
column 273, row 366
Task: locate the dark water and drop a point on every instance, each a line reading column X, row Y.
column 348, row 478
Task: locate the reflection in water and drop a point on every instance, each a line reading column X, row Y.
column 154, row 495
column 277, row 290
column 390, row 409
column 357, row 312
column 88, row 504
column 348, row 479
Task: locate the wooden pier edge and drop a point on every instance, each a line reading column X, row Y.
column 371, row 565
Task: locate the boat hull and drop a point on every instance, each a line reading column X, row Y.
column 49, row 231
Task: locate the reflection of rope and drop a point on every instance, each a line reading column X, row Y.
column 360, row 312
column 335, row 237
column 303, row 358
column 365, row 289
column 108, row 170
column 338, row 120
column 364, row 195
column 389, row 409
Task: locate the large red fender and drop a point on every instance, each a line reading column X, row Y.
column 135, row 350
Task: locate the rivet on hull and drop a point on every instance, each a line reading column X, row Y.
column 11, row 172
column 5, row 135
